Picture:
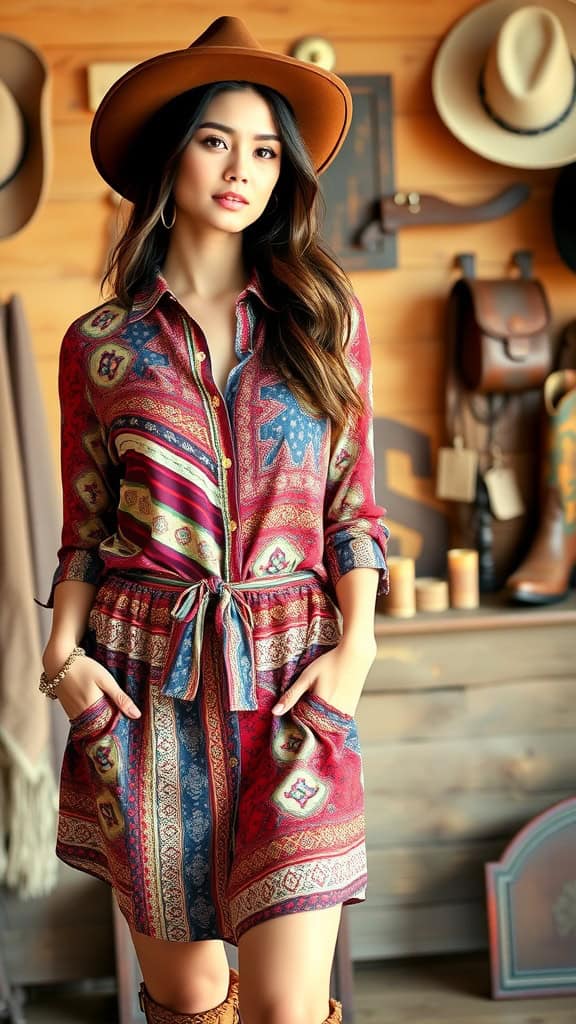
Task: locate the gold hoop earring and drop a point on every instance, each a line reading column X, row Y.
column 163, row 218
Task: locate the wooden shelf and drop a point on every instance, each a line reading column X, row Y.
column 495, row 612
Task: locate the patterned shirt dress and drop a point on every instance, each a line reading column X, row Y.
column 214, row 527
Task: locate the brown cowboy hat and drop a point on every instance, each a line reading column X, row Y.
column 24, row 148
column 226, row 51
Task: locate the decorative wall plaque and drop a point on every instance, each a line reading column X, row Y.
column 362, row 172
column 532, row 908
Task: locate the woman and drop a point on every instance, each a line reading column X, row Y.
column 221, row 548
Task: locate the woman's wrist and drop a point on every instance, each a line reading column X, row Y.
column 359, row 642
column 360, row 651
column 57, row 650
column 50, row 686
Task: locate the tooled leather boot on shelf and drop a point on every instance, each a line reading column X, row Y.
column 547, row 571
column 224, row 1013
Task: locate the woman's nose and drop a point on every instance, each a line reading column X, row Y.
column 237, row 176
column 236, row 170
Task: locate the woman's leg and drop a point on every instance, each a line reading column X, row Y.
column 186, row 977
column 284, row 967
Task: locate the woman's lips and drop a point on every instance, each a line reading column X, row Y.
column 229, row 203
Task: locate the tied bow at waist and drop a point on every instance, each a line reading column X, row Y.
column 233, row 626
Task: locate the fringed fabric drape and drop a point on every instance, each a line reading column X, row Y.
column 27, row 514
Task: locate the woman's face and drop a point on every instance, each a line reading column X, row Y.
column 235, row 151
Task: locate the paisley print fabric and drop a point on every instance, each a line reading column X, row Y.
column 205, row 820
column 215, row 528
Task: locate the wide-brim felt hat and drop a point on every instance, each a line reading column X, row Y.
column 24, row 133
column 564, row 215
column 226, row 51
column 504, row 60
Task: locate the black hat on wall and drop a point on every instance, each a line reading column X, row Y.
column 564, row 215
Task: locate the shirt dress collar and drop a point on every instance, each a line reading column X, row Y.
column 148, row 297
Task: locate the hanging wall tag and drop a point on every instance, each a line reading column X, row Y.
column 506, row 501
column 456, row 474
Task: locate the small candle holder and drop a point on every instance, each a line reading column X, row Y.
column 463, row 578
column 431, row 594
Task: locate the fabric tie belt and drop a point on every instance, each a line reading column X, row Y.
column 233, row 623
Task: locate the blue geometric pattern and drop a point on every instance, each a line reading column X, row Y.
column 292, row 426
column 139, row 335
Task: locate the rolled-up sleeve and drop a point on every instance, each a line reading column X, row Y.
column 89, row 477
column 354, row 528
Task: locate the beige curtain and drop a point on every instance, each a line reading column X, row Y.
column 27, row 787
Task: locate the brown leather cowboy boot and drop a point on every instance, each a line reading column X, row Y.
column 224, row 1013
column 546, row 572
column 335, row 1013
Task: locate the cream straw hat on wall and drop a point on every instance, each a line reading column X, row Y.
column 504, row 82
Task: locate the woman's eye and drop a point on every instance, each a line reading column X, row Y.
column 213, row 142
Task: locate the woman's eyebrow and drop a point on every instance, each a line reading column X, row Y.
column 232, row 131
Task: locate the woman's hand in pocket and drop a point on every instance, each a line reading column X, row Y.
column 84, row 684
column 337, row 677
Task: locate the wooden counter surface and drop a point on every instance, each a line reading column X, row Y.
column 495, row 612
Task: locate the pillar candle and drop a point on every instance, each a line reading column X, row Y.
column 431, row 594
column 401, row 600
column 463, row 578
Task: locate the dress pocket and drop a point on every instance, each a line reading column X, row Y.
column 327, row 716
column 333, row 730
column 330, row 711
column 97, row 719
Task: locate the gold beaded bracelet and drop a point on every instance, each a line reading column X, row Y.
column 48, row 686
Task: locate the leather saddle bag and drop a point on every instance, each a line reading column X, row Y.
column 503, row 340
column 499, row 354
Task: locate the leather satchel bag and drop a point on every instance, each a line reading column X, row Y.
column 502, row 329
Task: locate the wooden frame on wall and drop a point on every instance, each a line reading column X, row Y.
column 531, row 895
column 362, row 173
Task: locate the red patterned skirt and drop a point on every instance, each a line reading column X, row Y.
column 208, row 820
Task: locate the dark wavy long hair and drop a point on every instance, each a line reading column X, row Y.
column 310, row 294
